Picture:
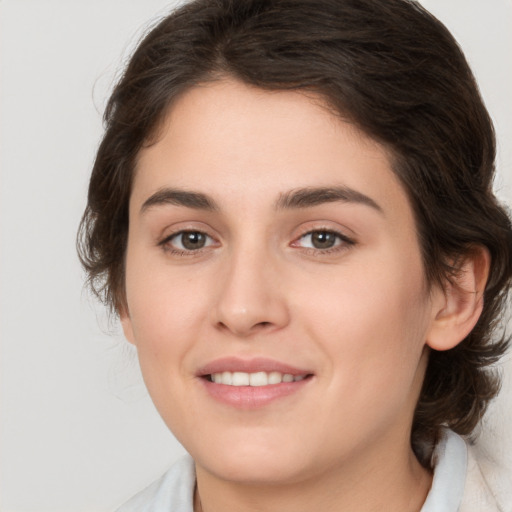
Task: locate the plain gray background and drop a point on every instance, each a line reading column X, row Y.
column 78, row 431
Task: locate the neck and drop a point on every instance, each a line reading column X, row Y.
column 379, row 481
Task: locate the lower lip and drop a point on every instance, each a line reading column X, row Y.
column 252, row 397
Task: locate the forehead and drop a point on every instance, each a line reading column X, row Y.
column 226, row 137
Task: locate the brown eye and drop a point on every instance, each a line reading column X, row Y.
column 189, row 241
column 193, row 240
column 323, row 239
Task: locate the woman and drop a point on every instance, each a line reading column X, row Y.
column 291, row 212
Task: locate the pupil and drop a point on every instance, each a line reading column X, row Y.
column 193, row 240
column 323, row 239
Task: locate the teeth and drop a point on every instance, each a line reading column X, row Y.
column 275, row 378
column 258, row 379
column 253, row 379
column 240, row 379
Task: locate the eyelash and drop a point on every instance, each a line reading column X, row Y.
column 165, row 243
column 342, row 244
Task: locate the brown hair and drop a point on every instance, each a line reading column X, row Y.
column 389, row 67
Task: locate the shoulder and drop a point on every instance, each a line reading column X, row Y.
column 487, row 484
column 173, row 491
column 464, row 480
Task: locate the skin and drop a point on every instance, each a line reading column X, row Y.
column 359, row 315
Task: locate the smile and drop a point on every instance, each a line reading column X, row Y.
column 253, row 379
column 252, row 383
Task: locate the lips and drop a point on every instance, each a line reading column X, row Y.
column 254, row 383
column 260, row 364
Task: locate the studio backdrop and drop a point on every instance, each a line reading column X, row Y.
column 78, row 430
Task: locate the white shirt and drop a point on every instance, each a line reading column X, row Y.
column 458, row 484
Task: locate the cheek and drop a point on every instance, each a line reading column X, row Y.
column 371, row 325
column 165, row 317
column 162, row 300
column 167, row 310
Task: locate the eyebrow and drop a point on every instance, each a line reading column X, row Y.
column 178, row 197
column 307, row 197
column 314, row 196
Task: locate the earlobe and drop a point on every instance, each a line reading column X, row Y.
column 459, row 305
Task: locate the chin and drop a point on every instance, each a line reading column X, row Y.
column 257, row 471
column 257, row 462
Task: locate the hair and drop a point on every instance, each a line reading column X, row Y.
column 387, row 66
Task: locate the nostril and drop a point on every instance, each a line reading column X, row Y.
column 245, row 329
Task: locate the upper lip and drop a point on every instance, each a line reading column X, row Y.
column 258, row 364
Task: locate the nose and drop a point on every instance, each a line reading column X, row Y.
column 251, row 299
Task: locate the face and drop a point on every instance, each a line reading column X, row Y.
column 275, row 289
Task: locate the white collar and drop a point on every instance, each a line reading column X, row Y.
column 450, row 460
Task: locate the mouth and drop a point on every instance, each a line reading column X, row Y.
column 256, row 379
column 252, row 384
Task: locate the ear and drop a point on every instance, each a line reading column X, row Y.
column 458, row 306
column 126, row 323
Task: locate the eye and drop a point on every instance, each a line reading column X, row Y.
column 186, row 241
column 322, row 240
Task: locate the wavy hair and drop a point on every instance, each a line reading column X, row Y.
column 387, row 66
